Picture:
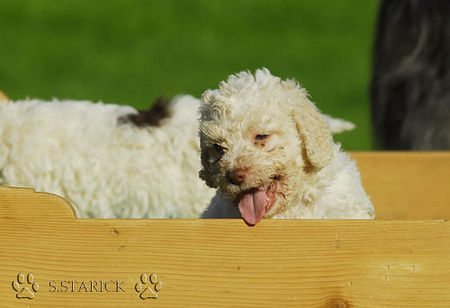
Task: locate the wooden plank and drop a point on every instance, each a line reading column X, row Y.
column 3, row 96
column 216, row 262
column 407, row 185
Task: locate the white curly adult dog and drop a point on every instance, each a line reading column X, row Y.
column 101, row 161
column 269, row 152
column 104, row 160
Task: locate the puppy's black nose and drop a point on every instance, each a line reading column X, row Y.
column 236, row 176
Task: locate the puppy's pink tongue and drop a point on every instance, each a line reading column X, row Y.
column 253, row 206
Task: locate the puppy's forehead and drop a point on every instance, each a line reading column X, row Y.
column 244, row 122
column 242, row 93
column 247, row 103
column 249, row 109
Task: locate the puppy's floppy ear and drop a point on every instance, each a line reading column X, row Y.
column 317, row 142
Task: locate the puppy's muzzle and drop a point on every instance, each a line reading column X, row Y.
column 236, row 176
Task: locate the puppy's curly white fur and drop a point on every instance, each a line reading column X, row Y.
column 269, row 152
column 108, row 160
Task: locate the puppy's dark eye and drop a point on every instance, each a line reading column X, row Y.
column 261, row 137
column 219, row 149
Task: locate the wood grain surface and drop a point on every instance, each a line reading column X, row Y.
column 205, row 263
column 407, row 185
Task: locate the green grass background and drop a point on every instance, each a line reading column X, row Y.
column 129, row 52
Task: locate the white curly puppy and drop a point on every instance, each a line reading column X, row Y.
column 109, row 161
column 269, row 152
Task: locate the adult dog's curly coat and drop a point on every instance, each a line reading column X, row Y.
column 410, row 87
column 103, row 160
column 269, row 152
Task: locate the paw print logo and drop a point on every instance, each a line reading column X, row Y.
column 25, row 287
column 148, row 286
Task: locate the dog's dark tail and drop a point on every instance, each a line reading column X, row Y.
column 158, row 111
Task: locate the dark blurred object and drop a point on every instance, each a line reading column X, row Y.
column 410, row 90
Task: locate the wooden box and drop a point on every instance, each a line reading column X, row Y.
column 48, row 257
